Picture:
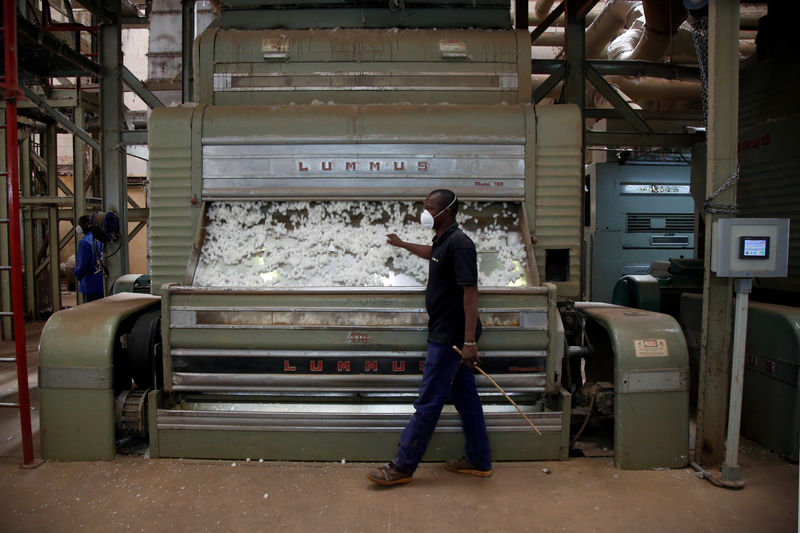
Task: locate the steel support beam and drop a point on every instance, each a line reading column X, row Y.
column 31, row 302
column 619, row 103
column 139, row 227
column 615, row 138
column 67, row 213
column 607, row 67
column 114, row 173
column 98, row 8
column 31, row 35
column 547, row 22
column 78, row 182
column 138, row 87
column 57, row 201
column 133, row 137
column 51, row 148
column 550, row 83
column 187, row 40
column 695, row 117
column 715, row 341
column 60, row 117
column 575, row 54
column 521, row 14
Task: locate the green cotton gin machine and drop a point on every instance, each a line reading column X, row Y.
column 296, row 331
column 281, row 325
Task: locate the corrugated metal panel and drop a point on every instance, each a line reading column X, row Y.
column 558, row 222
column 172, row 217
column 769, row 133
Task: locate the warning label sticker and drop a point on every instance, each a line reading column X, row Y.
column 651, row 347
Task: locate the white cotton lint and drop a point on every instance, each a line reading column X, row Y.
column 343, row 244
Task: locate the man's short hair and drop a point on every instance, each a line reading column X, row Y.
column 447, row 197
column 85, row 221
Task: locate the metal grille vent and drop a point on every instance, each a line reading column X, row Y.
column 666, row 222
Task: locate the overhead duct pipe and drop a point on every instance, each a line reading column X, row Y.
column 649, row 37
column 541, row 9
column 615, row 15
column 652, row 23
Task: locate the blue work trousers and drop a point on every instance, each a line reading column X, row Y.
column 444, row 378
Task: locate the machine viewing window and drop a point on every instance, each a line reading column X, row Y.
column 753, row 247
column 343, row 244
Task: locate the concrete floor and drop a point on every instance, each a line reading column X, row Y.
column 134, row 493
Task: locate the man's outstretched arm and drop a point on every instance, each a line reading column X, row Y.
column 421, row 250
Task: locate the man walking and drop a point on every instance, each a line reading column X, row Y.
column 451, row 299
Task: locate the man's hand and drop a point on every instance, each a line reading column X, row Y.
column 394, row 240
column 469, row 355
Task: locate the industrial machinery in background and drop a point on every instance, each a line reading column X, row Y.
column 281, row 326
column 641, row 212
column 767, row 186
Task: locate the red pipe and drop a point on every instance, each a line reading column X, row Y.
column 12, row 163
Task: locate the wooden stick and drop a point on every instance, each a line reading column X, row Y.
column 493, row 382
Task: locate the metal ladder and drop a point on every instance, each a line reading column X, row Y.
column 9, row 82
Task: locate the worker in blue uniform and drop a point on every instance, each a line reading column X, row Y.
column 451, row 299
column 88, row 262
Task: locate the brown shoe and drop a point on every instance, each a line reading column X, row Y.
column 389, row 474
column 462, row 466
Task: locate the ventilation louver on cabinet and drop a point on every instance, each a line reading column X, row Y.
column 669, row 222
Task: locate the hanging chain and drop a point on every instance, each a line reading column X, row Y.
column 709, row 206
column 700, row 37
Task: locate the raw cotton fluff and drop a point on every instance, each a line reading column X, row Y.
column 342, row 244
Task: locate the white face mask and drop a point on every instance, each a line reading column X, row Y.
column 426, row 219
column 78, row 230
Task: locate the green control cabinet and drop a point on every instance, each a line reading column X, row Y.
column 771, row 395
column 651, row 385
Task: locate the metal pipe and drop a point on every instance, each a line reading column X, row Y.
column 12, row 154
column 78, row 181
column 187, row 39
column 606, row 26
column 730, row 468
column 31, row 303
column 113, row 160
column 541, row 8
column 748, row 16
column 52, row 217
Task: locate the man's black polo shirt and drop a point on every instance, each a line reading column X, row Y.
column 453, row 263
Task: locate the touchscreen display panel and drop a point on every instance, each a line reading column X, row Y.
column 753, row 247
